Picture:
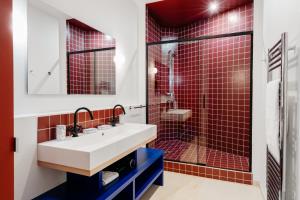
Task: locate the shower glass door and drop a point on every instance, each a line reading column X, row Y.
column 227, row 85
column 199, row 96
column 174, row 90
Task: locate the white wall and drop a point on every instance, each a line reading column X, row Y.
column 142, row 47
column 29, row 179
column 142, row 50
column 118, row 18
column 283, row 16
column 46, row 50
column 258, row 107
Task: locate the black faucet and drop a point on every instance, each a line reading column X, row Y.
column 114, row 119
column 75, row 129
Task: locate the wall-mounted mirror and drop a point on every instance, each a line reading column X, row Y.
column 67, row 56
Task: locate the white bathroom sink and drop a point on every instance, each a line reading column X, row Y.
column 90, row 153
column 177, row 115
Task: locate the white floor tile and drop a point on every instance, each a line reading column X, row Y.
column 186, row 187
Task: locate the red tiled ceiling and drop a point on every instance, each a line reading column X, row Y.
column 181, row 12
column 81, row 25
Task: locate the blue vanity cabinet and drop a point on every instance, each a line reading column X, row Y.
column 130, row 185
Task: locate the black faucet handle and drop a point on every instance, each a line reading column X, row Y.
column 114, row 121
column 79, row 128
column 74, row 130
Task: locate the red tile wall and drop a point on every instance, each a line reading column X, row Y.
column 229, row 95
column 218, row 24
column 153, row 29
column 208, row 172
column 79, row 83
column 97, row 40
column 217, row 70
column 154, row 55
column 104, row 73
column 47, row 124
column 79, row 39
column 84, row 77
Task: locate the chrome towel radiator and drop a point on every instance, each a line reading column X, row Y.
column 276, row 172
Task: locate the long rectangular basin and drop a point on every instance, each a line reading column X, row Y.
column 90, row 153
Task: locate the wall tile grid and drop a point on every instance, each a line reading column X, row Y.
column 153, row 34
column 212, row 78
column 84, row 77
column 178, row 150
column 158, row 61
column 229, row 96
column 47, row 124
column 209, row 172
column 79, row 82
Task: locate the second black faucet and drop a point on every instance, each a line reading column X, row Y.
column 114, row 119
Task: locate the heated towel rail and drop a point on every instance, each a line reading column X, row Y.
column 276, row 172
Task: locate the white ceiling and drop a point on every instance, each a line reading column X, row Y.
column 145, row 1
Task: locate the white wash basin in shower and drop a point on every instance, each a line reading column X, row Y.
column 177, row 115
column 90, row 153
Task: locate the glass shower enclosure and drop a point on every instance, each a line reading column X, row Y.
column 199, row 95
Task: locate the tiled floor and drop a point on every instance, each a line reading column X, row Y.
column 180, row 186
column 178, row 150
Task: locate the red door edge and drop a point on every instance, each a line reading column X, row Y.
column 6, row 102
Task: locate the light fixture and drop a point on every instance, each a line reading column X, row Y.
column 154, row 70
column 213, row 7
column 108, row 37
column 233, row 18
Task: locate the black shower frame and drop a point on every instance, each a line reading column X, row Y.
column 79, row 52
column 207, row 37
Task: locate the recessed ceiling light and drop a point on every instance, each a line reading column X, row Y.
column 213, row 7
